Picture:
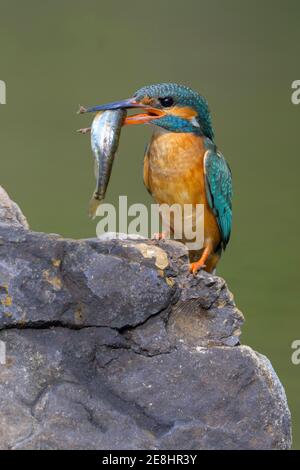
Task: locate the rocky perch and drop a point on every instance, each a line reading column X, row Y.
column 111, row 344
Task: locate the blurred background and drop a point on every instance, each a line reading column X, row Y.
column 242, row 55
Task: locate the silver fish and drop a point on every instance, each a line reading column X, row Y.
column 105, row 134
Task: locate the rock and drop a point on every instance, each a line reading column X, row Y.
column 10, row 212
column 120, row 236
column 111, row 344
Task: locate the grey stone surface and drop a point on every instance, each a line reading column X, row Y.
column 10, row 211
column 112, row 344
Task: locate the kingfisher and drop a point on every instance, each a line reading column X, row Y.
column 182, row 164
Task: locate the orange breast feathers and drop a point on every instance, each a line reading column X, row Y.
column 174, row 174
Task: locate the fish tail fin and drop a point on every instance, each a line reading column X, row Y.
column 94, row 204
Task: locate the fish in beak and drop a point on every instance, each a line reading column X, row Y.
column 150, row 113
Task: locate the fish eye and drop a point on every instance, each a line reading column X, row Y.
column 166, row 101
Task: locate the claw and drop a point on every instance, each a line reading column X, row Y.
column 200, row 264
column 195, row 267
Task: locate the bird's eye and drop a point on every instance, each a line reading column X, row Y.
column 166, row 101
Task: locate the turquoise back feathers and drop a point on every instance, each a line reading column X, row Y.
column 219, row 190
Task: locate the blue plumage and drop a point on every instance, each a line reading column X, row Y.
column 183, row 96
column 219, row 191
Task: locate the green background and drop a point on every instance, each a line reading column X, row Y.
column 242, row 55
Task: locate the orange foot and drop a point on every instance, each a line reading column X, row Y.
column 160, row 236
column 200, row 264
column 195, row 267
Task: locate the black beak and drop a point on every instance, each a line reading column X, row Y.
column 129, row 103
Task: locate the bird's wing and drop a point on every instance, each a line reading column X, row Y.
column 218, row 183
column 146, row 169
